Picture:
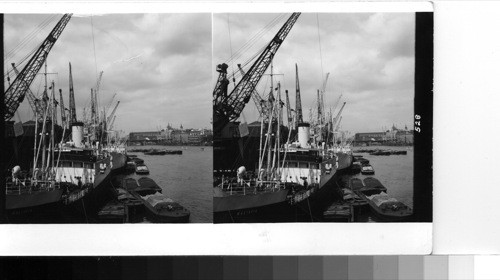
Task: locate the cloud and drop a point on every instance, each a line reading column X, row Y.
column 370, row 58
column 156, row 63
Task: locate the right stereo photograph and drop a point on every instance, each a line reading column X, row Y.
column 320, row 117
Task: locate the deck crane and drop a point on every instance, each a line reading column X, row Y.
column 298, row 104
column 35, row 103
column 228, row 107
column 338, row 124
column 63, row 113
column 96, row 92
column 112, row 123
column 257, row 99
column 335, row 120
column 108, row 120
column 322, row 96
column 72, row 107
column 289, row 111
column 16, row 92
column 336, row 103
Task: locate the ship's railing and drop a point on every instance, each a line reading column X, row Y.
column 18, row 186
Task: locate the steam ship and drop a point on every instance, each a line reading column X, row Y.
column 306, row 181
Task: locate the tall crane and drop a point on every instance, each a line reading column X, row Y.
column 298, row 104
column 322, row 96
column 96, row 92
column 16, row 92
column 228, row 107
column 112, row 123
column 335, row 120
column 63, row 113
column 34, row 102
column 72, row 107
column 257, row 99
column 289, row 111
column 338, row 124
column 108, row 120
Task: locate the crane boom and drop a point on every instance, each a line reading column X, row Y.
column 335, row 120
column 72, row 106
column 338, row 124
column 34, row 102
column 108, row 120
column 112, row 123
column 298, row 104
column 61, row 103
column 16, row 92
column 259, row 102
column 288, row 111
column 228, row 107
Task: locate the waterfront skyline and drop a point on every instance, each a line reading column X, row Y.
column 158, row 67
column 370, row 58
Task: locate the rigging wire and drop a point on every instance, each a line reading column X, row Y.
column 320, row 53
column 29, row 37
column 243, row 49
column 230, row 46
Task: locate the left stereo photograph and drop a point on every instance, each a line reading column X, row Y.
column 107, row 119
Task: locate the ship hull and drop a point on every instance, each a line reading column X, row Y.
column 307, row 205
column 86, row 207
column 32, row 199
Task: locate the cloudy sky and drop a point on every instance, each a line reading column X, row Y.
column 370, row 58
column 158, row 64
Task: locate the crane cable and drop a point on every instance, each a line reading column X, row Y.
column 254, row 39
column 230, row 47
column 320, row 53
column 23, row 43
column 29, row 37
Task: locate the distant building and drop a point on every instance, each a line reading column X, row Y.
column 370, row 136
column 145, row 136
column 394, row 135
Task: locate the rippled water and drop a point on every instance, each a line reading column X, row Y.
column 186, row 178
column 395, row 172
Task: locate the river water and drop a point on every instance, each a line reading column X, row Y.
column 395, row 172
column 186, row 178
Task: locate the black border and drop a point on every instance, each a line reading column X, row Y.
column 424, row 72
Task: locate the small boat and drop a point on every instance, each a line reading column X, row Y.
column 144, row 187
column 381, row 153
column 363, row 161
column 355, row 184
column 367, row 170
column 372, row 186
column 137, row 160
column 355, row 168
column 164, row 209
column 131, row 156
column 353, row 199
column 173, row 152
column 147, row 186
column 124, row 197
column 113, row 212
column 155, row 153
column 141, row 169
column 339, row 212
column 387, row 208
